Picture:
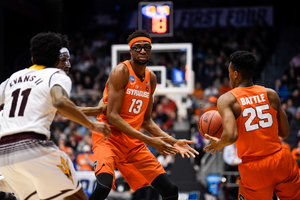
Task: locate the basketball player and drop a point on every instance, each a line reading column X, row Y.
column 252, row 117
column 4, row 186
column 64, row 56
column 30, row 162
column 129, row 98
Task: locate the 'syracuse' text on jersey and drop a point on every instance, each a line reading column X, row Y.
column 257, row 124
column 27, row 100
column 136, row 99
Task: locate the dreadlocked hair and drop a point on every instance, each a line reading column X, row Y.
column 44, row 48
column 138, row 33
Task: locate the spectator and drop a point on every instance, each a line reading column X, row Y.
column 212, row 104
column 281, row 90
column 168, row 104
column 87, row 140
column 71, row 142
column 209, row 57
column 166, row 161
column 70, row 152
column 159, row 115
column 298, row 82
column 85, row 160
column 56, row 134
column 200, row 109
column 295, row 97
column 289, row 115
column 69, row 129
column 217, row 80
column 88, row 84
column 291, row 77
column 295, row 61
column 230, row 158
column 290, row 107
column 198, row 142
column 60, row 122
column 198, row 91
column 225, row 87
column 168, row 125
column 62, row 144
column 295, row 122
column 296, row 153
column 210, row 91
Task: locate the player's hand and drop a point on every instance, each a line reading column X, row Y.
column 214, row 145
column 160, row 145
column 102, row 128
column 184, row 149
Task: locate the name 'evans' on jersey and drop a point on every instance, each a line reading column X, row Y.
column 253, row 99
column 26, row 78
column 137, row 93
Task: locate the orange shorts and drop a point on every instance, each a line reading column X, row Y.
column 137, row 165
column 278, row 172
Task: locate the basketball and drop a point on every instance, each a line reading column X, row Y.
column 210, row 123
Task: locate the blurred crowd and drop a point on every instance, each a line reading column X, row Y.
column 288, row 88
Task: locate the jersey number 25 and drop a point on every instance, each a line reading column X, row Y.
column 265, row 121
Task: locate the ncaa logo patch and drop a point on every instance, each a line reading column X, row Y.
column 241, row 197
column 95, row 165
column 132, row 78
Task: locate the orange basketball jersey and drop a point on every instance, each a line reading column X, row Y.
column 257, row 124
column 136, row 99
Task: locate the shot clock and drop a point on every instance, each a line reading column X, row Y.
column 156, row 18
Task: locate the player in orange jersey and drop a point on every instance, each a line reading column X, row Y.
column 252, row 117
column 129, row 97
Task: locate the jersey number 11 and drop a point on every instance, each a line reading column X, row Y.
column 15, row 96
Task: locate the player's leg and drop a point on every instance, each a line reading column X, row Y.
column 289, row 174
column 104, row 167
column 259, row 194
column 4, row 186
column 17, row 183
column 52, row 174
column 37, row 167
column 166, row 188
column 104, row 185
column 79, row 195
column 142, row 168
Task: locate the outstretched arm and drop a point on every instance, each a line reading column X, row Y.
column 92, row 111
column 67, row 108
column 148, row 124
column 230, row 133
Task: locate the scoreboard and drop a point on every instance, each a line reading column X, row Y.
column 156, row 18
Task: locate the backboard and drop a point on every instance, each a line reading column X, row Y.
column 171, row 62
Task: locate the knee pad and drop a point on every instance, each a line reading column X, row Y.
column 167, row 189
column 104, row 185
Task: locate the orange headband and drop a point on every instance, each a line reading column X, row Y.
column 134, row 40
